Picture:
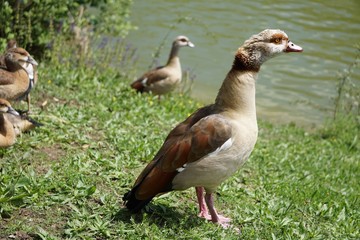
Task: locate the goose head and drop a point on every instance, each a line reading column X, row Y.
column 11, row 44
column 20, row 57
column 182, row 41
column 265, row 45
column 5, row 107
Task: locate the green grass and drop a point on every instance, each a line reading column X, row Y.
column 65, row 180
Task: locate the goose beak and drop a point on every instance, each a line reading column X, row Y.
column 190, row 44
column 291, row 47
column 32, row 61
column 12, row 111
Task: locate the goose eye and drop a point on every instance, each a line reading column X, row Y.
column 183, row 40
column 277, row 40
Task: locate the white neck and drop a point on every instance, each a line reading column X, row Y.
column 237, row 93
column 29, row 68
column 174, row 60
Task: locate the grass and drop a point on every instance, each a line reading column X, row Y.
column 65, row 180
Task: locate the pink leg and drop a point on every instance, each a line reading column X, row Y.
column 203, row 209
column 215, row 217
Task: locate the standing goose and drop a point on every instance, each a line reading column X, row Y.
column 164, row 79
column 212, row 143
column 17, row 79
column 7, row 132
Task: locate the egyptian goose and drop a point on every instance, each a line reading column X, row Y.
column 212, row 143
column 10, row 44
column 30, row 68
column 7, row 132
column 17, row 79
column 164, row 79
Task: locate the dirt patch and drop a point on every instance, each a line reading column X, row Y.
column 54, row 152
column 18, row 235
column 50, row 154
column 25, row 218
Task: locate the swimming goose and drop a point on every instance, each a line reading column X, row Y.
column 17, row 79
column 7, row 133
column 164, row 79
column 215, row 141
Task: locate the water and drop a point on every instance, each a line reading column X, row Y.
column 296, row 87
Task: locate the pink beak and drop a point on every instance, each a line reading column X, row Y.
column 293, row 47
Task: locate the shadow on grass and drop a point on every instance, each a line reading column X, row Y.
column 160, row 215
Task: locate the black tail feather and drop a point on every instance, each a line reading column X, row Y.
column 133, row 204
column 138, row 86
column 34, row 122
column 24, row 115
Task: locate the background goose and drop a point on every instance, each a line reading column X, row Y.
column 164, row 79
column 213, row 143
column 31, row 69
column 7, row 132
column 17, row 79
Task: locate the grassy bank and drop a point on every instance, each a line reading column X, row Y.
column 65, row 179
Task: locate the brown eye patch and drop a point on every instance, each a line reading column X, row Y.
column 183, row 40
column 277, row 38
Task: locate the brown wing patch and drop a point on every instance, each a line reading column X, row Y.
column 188, row 142
column 209, row 134
column 6, row 77
column 156, row 75
column 157, row 181
column 152, row 77
column 176, row 156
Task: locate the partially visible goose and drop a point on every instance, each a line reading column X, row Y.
column 10, row 44
column 17, row 79
column 164, row 79
column 213, row 143
column 7, row 132
column 22, row 122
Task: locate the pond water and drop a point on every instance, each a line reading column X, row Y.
column 296, row 87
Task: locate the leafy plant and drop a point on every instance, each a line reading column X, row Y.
column 13, row 192
column 347, row 101
column 36, row 24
